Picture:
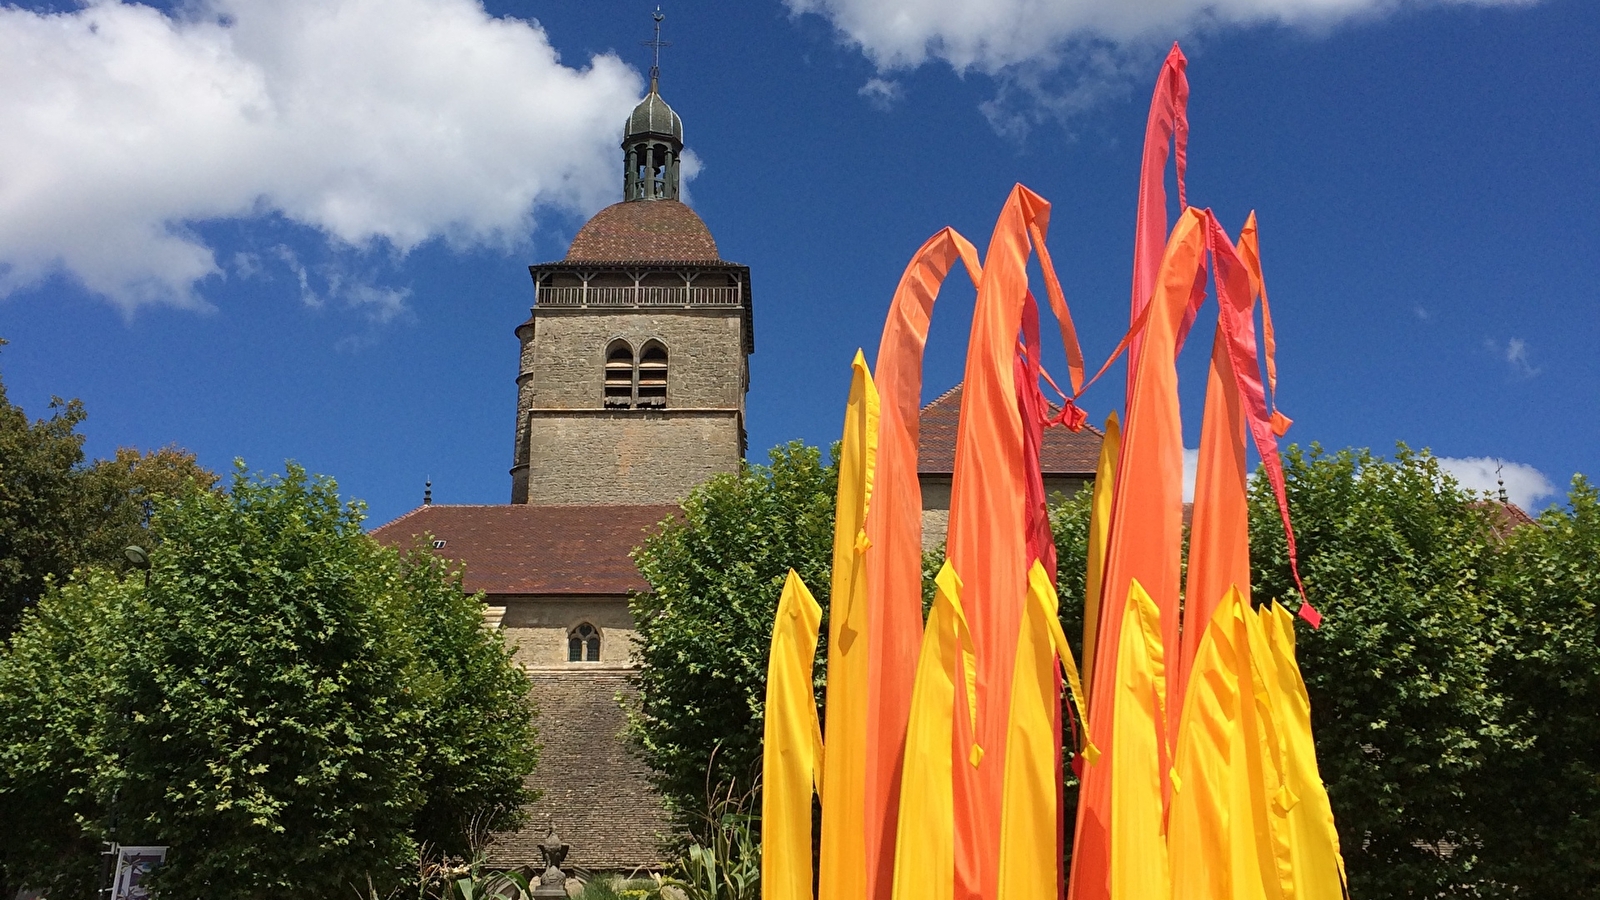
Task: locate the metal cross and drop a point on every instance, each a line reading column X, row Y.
column 656, row 45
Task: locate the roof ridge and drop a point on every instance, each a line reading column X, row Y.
column 944, row 396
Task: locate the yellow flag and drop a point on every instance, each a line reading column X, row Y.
column 1029, row 859
column 1228, row 835
column 924, row 861
column 791, row 756
column 1318, row 866
column 843, row 873
column 1139, row 699
column 1105, row 480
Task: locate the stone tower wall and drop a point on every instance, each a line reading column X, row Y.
column 572, row 450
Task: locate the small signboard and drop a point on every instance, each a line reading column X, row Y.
column 134, row 866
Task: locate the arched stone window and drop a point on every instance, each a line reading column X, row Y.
column 619, row 375
column 653, row 376
column 583, row 644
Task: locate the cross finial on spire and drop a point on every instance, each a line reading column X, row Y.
column 1500, row 479
column 656, row 45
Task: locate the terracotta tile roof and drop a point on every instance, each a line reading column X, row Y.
column 515, row 549
column 1505, row 516
column 1063, row 452
column 656, row 230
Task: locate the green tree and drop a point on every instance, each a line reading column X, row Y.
column 706, row 625
column 1548, row 791
column 56, row 513
column 1407, row 720
column 287, row 704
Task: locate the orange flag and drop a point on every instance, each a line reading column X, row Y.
column 1219, row 535
column 1144, row 544
column 894, row 535
column 986, row 543
column 1167, row 127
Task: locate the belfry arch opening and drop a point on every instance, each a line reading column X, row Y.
column 619, row 375
column 653, row 376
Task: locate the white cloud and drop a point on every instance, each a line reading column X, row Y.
column 376, row 122
column 1525, row 485
column 990, row 35
column 1191, row 465
column 1515, row 353
column 881, row 92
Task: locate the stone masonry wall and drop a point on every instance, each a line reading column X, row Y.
column 705, row 356
column 594, row 790
column 627, row 456
column 538, row 629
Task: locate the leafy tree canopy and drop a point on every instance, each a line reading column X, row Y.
column 288, row 705
column 57, row 513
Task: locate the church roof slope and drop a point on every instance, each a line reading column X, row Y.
column 653, row 230
column 1063, row 452
column 516, row 549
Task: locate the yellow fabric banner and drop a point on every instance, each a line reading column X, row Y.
column 924, row 863
column 1105, row 481
column 1318, row 866
column 1029, row 863
column 1227, row 836
column 1137, row 843
column 843, row 872
column 791, row 756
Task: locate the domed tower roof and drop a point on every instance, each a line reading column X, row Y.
column 634, row 231
column 653, row 117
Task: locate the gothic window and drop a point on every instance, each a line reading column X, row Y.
column 619, row 375
column 653, row 376
column 583, row 644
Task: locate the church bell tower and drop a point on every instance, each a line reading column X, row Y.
column 634, row 363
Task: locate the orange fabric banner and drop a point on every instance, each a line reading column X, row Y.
column 894, row 532
column 1166, row 128
column 1145, row 539
column 986, row 542
column 1219, row 533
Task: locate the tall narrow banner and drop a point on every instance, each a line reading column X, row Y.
column 843, row 871
column 986, row 541
column 894, row 534
column 1030, row 859
column 1137, row 843
column 1227, row 823
column 791, row 755
column 943, row 712
column 1318, row 866
column 1144, row 544
column 1219, row 534
column 1166, row 128
column 1105, row 478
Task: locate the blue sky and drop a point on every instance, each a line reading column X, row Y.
column 301, row 229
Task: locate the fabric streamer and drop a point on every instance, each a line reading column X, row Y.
column 792, row 754
column 894, row 537
column 943, row 717
column 843, row 870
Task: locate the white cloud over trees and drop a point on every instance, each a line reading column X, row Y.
column 373, row 121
